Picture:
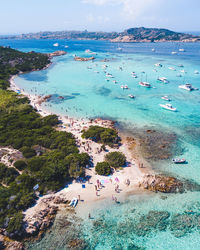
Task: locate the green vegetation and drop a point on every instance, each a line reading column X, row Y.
column 23, row 129
column 107, row 136
column 115, row 159
column 103, row 168
column 20, row 165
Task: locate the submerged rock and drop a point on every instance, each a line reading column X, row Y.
column 181, row 224
column 153, row 221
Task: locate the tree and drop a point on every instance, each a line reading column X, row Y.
column 28, row 152
column 103, row 168
column 20, row 165
column 115, row 159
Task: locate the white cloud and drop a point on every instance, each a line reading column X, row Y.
column 131, row 9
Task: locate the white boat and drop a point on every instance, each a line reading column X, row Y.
column 73, row 202
column 158, row 64
column 115, row 81
column 168, row 107
column 124, row 87
column 179, row 161
column 145, row 84
column 179, row 75
column 131, row 96
column 166, row 98
column 180, row 65
column 196, row 72
column 172, row 68
column 183, row 71
column 174, row 52
column 109, row 75
column 153, row 50
column 182, row 50
column 163, row 79
column 120, row 49
column 56, row 44
column 187, row 87
column 66, row 46
column 134, row 75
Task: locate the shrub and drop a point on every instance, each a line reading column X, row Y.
column 28, row 152
column 103, row 168
column 15, row 223
column 115, row 159
column 20, row 165
column 107, row 136
column 36, row 163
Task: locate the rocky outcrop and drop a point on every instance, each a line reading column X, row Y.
column 8, row 244
column 42, row 99
column 43, row 217
column 83, row 59
column 57, row 53
column 167, row 184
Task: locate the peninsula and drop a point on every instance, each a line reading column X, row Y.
column 140, row 34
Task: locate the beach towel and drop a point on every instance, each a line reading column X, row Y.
column 106, row 181
column 83, row 185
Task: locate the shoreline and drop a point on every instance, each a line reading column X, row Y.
column 75, row 126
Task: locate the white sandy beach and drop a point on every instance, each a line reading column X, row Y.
column 89, row 194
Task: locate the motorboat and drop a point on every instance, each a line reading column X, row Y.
column 178, row 161
column 163, row 79
column 182, row 50
column 115, row 81
column 120, row 49
column 109, row 75
column 66, row 46
column 131, row 96
column 134, row 75
column 180, row 65
column 124, row 87
column 187, row 87
column 166, row 98
column 73, row 202
column 56, row 44
column 153, row 50
column 183, row 71
column 172, row 68
column 174, row 53
column 158, row 64
column 145, row 84
column 196, row 72
column 168, row 107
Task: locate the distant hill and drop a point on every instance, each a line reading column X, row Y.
column 130, row 35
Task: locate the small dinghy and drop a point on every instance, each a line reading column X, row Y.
column 178, row 161
column 73, row 202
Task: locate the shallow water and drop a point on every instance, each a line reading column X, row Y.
column 87, row 94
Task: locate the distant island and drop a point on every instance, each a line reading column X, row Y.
column 130, row 35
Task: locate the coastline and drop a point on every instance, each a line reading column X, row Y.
column 88, row 194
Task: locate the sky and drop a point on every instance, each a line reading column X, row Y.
column 24, row 16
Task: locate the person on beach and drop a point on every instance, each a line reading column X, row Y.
column 89, row 216
column 79, row 197
column 96, row 193
column 95, row 187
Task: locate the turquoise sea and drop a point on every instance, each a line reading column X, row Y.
column 147, row 221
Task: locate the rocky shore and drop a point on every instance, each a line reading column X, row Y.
column 83, row 59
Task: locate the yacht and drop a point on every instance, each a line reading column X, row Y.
column 163, row 79
column 166, row 98
column 172, row 68
column 178, row 161
column 181, row 50
column 56, row 44
column 168, row 107
column 158, row 64
column 187, row 87
column 145, row 84
column 131, row 96
column 124, row 87
column 109, row 75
